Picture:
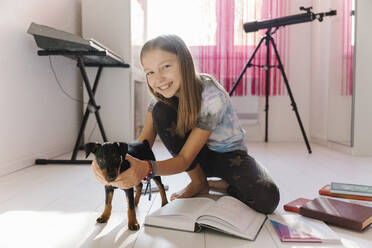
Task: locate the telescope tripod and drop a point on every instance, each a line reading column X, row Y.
column 270, row 40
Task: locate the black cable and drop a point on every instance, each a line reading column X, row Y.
column 95, row 125
column 59, row 84
column 74, row 99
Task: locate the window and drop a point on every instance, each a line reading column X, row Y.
column 246, row 11
column 193, row 20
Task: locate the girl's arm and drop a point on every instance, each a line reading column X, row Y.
column 139, row 168
column 194, row 143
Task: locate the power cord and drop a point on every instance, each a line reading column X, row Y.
column 59, row 84
column 66, row 94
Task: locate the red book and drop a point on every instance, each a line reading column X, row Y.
column 326, row 190
column 339, row 213
column 294, row 206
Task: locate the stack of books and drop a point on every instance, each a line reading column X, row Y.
column 343, row 212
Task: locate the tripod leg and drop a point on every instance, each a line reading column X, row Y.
column 293, row 103
column 267, row 68
column 246, row 66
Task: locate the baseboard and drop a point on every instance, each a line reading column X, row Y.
column 319, row 141
column 332, row 145
column 13, row 166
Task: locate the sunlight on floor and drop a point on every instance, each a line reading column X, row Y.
column 61, row 229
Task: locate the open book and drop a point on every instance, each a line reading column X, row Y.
column 227, row 214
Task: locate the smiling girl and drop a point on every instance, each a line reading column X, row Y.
column 194, row 118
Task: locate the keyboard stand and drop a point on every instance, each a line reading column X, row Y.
column 82, row 62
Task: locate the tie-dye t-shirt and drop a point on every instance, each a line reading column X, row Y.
column 218, row 115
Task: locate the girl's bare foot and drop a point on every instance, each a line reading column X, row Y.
column 218, row 184
column 194, row 188
column 198, row 185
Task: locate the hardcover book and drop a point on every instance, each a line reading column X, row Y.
column 339, row 213
column 297, row 228
column 294, row 206
column 227, row 214
column 326, row 190
column 351, row 189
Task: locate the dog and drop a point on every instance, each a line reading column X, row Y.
column 110, row 157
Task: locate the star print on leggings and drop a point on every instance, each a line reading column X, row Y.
column 172, row 129
column 237, row 161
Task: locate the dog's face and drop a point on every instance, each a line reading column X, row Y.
column 109, row 156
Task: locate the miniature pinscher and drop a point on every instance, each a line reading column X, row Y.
column 110, row 157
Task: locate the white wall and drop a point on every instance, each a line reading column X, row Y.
column 115, row 92
column 38, row 121
column 321, row 35
column 321, row 115
column 331, row 111
column 363, row 86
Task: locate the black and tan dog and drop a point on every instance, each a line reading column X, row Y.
column 110, row 157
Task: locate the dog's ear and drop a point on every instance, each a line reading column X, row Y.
column 123, row 148
column 91, row 147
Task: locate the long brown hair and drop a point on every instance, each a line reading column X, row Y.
column 189, row 98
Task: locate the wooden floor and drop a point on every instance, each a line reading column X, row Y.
column 57, row 205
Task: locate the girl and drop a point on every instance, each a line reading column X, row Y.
column 194, row 118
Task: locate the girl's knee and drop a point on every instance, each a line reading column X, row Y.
column 268, row 199
column 264, row 199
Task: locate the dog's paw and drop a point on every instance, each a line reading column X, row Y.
column 163, row 203
column 134, row 226
column 102, row 219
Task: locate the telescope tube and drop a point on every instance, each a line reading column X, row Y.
column 277, row 22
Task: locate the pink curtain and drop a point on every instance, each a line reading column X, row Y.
column 348, row 49
column 226, row 59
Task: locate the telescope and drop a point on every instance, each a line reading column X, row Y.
column 288, row 20
column 276, row 23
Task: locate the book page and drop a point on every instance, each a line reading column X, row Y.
column 189, row 207
column 221, row 226
column 173, row 222
column 234, row 215
column 179, row 214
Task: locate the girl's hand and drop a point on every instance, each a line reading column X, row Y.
column 133, row 176
column 98, row 173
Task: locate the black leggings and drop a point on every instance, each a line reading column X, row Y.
column 248, row 180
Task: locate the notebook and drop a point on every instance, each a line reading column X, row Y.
column 297, row 228
column 326, row 190
column 351, row 189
